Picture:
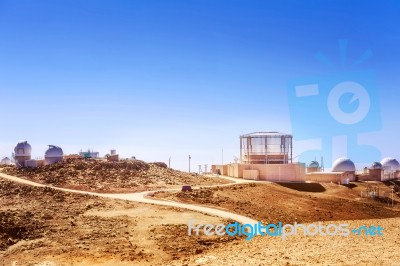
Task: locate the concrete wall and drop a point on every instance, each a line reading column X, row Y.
column 235, row 170
column 250, row 174
column 270, row 172
column 223, row 169
column 327, row 177
column 372, row 175
column 313, row 169
column 282, row 172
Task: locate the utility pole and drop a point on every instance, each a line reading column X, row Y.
column 169, row 162
column 199, row 169
column 189, row 162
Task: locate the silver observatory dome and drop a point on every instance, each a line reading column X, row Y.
column 343, row 165
column 390, row 164
column 23, row 148
column 53, row 154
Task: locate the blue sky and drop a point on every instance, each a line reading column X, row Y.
column 160, row 79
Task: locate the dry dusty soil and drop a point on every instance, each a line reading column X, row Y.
column 304, row 203
column 42, row 226
column 291, row 202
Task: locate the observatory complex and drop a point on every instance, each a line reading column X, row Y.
column 263, row 156
column 268, row 156
column 22, row 155
column 387, row 169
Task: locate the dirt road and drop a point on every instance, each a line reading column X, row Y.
column 141, row 197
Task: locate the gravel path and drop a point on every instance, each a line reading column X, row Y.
column 141, row 197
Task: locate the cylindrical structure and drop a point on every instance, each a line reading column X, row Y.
column 22, row 153
column 53, row 154
column 266, row 148
column 113, row 152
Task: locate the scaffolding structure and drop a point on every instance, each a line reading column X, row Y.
column 266, row 148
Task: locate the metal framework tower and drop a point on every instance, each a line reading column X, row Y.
column 266, row 148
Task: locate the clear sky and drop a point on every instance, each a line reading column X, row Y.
column 160, row 79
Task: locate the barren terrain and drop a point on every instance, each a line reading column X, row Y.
column 352, row 250
column 290, row 202
column 39, row 225
column 42, row 226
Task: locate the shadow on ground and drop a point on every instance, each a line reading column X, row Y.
column 351, row 185
column 304, row 187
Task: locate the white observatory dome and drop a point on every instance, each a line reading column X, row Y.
column 23, row 148
column 314, row 164
column 343, row 165
column 376, row 165
column 53, row 154
column 390, row 164
column 54, row 151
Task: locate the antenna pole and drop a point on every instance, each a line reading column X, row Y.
column 189, row 162
column 322, row 164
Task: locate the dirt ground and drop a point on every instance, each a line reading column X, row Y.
column 111, row 177
column 291, row 202
column 42, row 226
column 304, row 203
column 299, row 250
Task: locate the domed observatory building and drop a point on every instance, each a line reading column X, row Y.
column 391, row 168
column 345, row 168
column 376, row 165
column 343, row 171
column 22, row 153
column 375, row 173
column 53, row 154
column 313, row 167
column 390, row 164
column 343, row 165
